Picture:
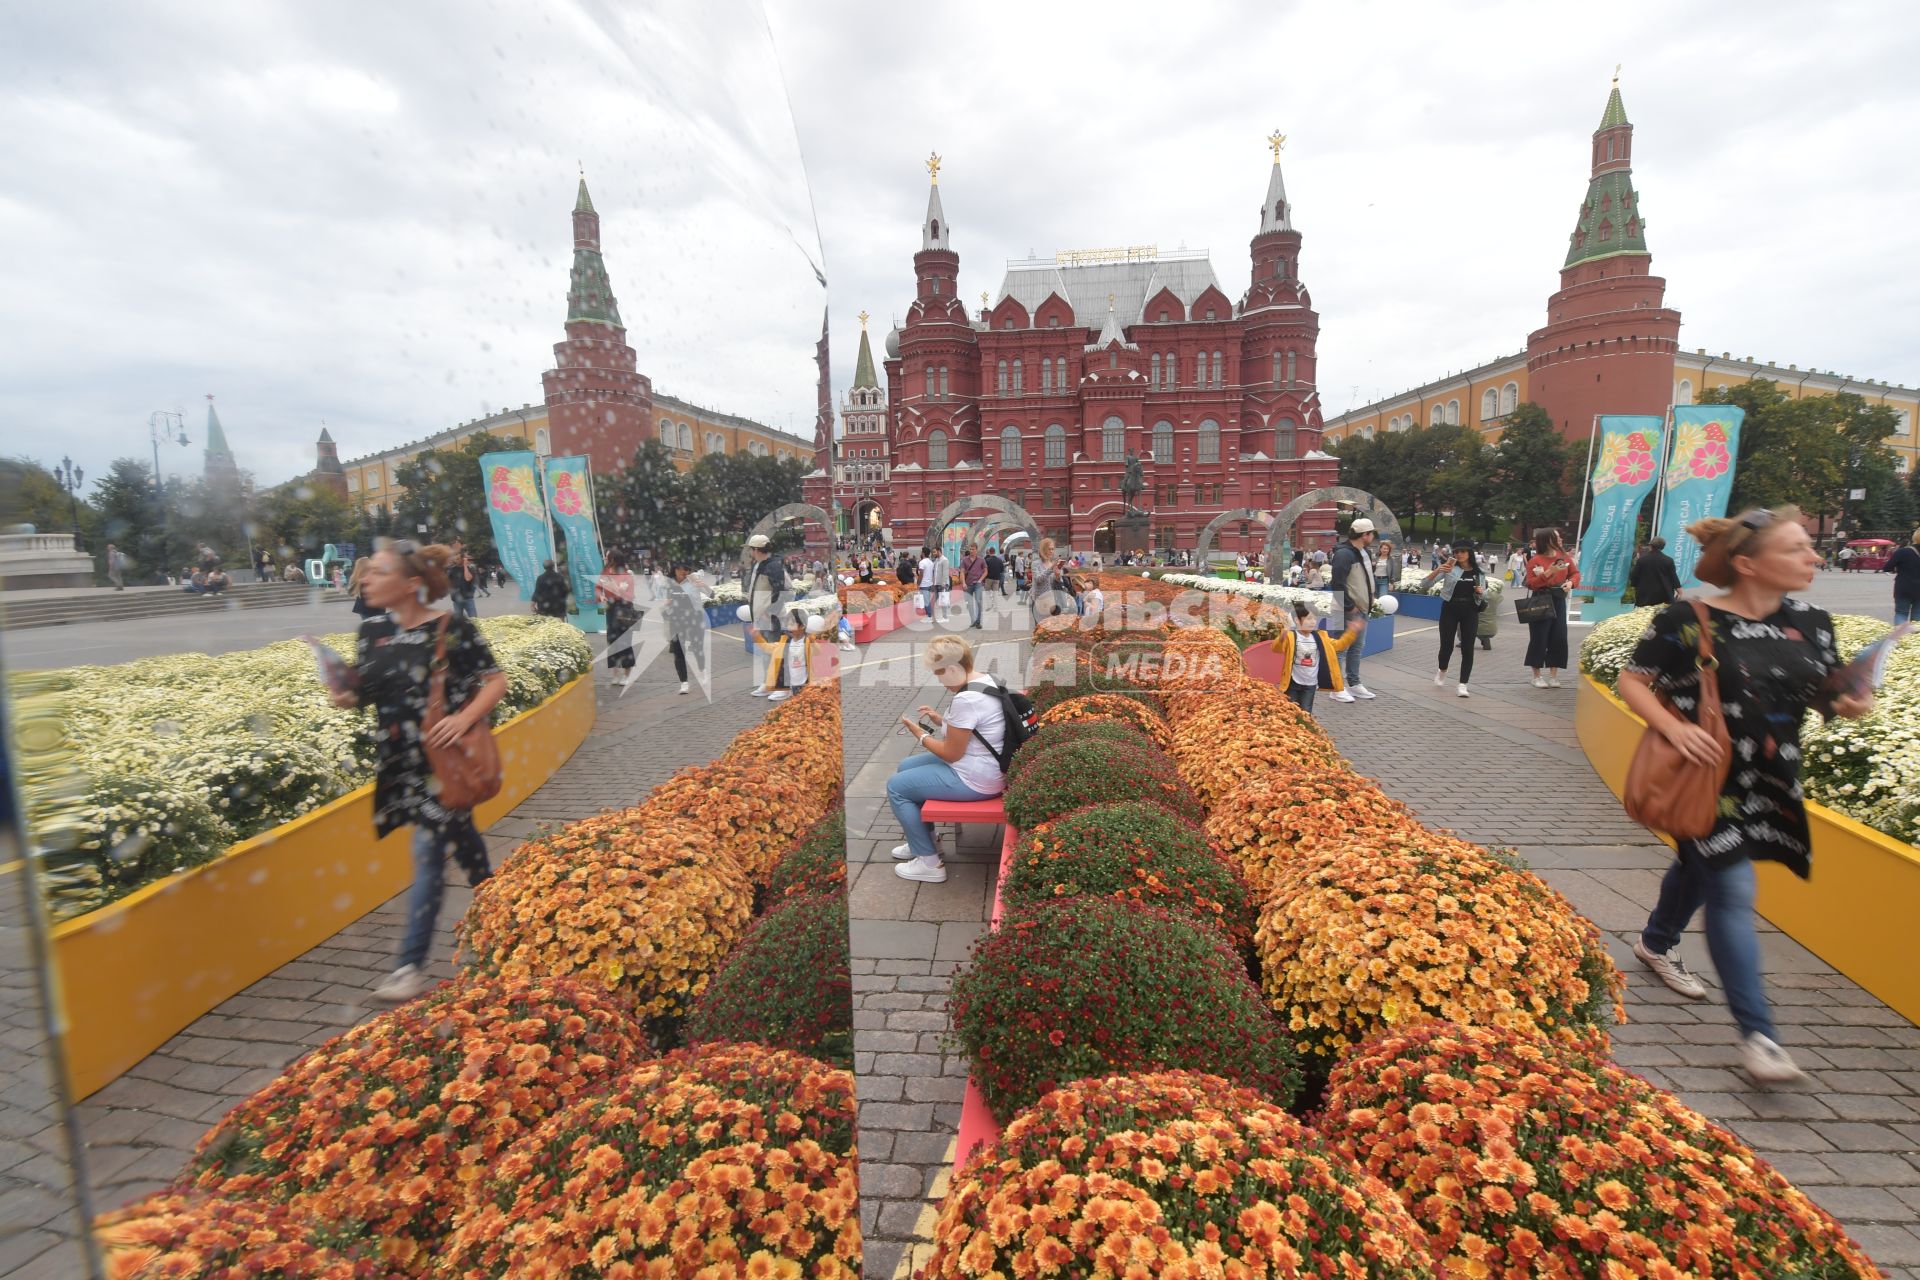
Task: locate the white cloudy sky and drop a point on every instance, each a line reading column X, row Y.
column 357, row 213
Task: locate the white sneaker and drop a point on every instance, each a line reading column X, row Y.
column 903, row 851
column 1461, row 692
column 1361, row 691
column 925, row 870
column 1553, row 682
column 1440, row 677
column 1341, row 695
column 759, row 693
column 683, row 686
column 403, row 984
column 1672, row 970
column 779, row 695
column 1539, row 682
column 1767, row 1063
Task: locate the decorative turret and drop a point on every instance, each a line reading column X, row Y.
column 1610, row 221
column 217, row 460
column 589, row 292
column 597, row 401
column 863, row 374
column 933, row 229
column 327, row 472
column 1276, row 245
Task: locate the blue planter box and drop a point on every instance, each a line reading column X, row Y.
column 1419, row 606
column 723, row 615
column 1377, row 638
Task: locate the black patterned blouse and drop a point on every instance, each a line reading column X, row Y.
column 1770, row 673
column 393, row 662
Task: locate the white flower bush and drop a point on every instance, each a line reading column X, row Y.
column 1868, row 769
column 168, row 761
column 1265, row 592
column 1409, row 584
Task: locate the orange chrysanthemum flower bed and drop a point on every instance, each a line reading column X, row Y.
column 380, row 1131
column 1111, row 706
column 175, row 1237
column 1228, row 741
column 1177, row 1176
column 724, row 1161
column 1266, row 823
column 801, row 736
column 1524, row 1161
column 752, row 811
column 643, row 903
column 866, row 597
column 1354, row 941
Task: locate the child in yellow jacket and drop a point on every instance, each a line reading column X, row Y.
column 1312, row 664
column 795, row 657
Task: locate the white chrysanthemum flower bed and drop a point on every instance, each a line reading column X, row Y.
column 1409, row 584
column 1868, row 769
column 168, row 761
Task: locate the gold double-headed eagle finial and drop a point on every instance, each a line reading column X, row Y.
column 933, row 167
column 863, row 318
column 1276, row 140
column 1616, row 75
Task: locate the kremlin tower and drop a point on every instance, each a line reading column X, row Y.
column 597, row 402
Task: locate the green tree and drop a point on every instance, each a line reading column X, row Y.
column 1530, row 472
column 446, row 493
column 639, row 505
column 133, row 517
column 1809, row 452
column 295, row 522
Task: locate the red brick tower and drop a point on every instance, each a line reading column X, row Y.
column 597, row 404
column 327, row 472
column 1609, row 341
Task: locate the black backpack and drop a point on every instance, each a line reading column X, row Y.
column 1017, row 709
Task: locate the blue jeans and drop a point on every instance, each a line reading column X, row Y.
column 1727, row 894
column 928, row 598
column 1906, row 609
column 1351, row 658
column 923, row 777
column 974, row 602
column 458, row 838
column 463, row 605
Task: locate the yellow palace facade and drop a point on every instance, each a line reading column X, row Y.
column 689, row 432
column 1482, row 398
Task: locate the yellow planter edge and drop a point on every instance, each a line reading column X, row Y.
column 1856, row 913
column 138, row 970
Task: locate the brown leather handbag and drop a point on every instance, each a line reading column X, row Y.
column 467, row 772
column 1666, row 791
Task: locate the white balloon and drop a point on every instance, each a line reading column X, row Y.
column 1389, row 605
column 816, row 624
column 744, row 613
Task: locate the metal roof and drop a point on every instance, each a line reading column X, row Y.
column 1086, row 286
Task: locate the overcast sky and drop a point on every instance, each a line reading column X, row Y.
column 357, row 213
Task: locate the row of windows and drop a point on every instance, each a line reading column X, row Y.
column 1113, row 448
column 1494, row 403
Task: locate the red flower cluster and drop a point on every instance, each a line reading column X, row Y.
column 786, row 984
column 1083, row 773
column 175, row 1237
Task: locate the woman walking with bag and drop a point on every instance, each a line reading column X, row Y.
column 1551, row 574
column 1771, row 656
column 615, row 588
column 431, row 680
column 1463, row 593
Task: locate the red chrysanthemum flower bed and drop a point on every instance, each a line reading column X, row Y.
column 199, row 1237
column 723, row 1161
column 1083, row 773
column 1175, row 1176
column 1521, row 1161
column 1110, row 706
column 380, row 1131
column 1092, row 986
column 786, row 984
column 817, row 863
column 1138, row 852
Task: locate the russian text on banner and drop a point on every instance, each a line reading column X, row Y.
column 1622, row 478
column 518, row 515
column 1706, row 442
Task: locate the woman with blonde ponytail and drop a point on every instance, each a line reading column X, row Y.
column 1773, row 656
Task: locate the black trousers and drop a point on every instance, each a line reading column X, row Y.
column 1462, row 623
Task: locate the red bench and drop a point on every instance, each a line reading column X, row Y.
column 977, row 1126
column 965, row 811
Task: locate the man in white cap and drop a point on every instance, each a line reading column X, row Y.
column 763, row 584
column 1353, row 577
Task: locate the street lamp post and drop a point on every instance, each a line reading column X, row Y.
column 170, row 426
column 71, row 478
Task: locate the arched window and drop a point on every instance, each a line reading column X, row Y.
column 1154, row 381
column 1278, row 368
column 686, row 437
column 937, row 448
column 1489, row 404
column 1003, row 377
column 1199, row 368
column 1046, row 374
column 1453, row 411
column 1010, row 446
column 542, row 442
column 1056, row 446
column 1163, row 443
column 1209, row 441
column 1173, row 372
column 1219, row 369
column 934, row 228
column 1435, row 415
column 1606, row 232
column 1510, row 397
column 1683, row 394
column 1113, row 439
column 1293, row 371
column 1283, row 443
column 1019, row 383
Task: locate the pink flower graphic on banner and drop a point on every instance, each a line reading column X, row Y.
column 566, row 498
column 1710, row 460
column 1633, row 468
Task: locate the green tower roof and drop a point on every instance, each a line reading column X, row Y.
column 1610, row 221
column 863, row 375
column 1615, row 114
column 216, row 438
column 584, row 202
column 589, row 292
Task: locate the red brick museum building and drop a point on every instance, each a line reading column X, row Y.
column 1087, row 356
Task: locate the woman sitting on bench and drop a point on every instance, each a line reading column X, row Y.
column 962, row 760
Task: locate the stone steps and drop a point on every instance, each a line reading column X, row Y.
column 107, row 605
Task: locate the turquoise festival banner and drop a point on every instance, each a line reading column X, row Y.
column 1623, row 476
column 570, row 496
column 518, row 514
column 1706, row 443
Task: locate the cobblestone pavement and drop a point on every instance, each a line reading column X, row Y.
column 1503, row 767
column 141, row 1128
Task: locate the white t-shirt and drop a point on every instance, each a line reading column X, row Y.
column 979, row 712
column 926, row 571
column 1095, row 600
column 1306, row 659
column 796, row 663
